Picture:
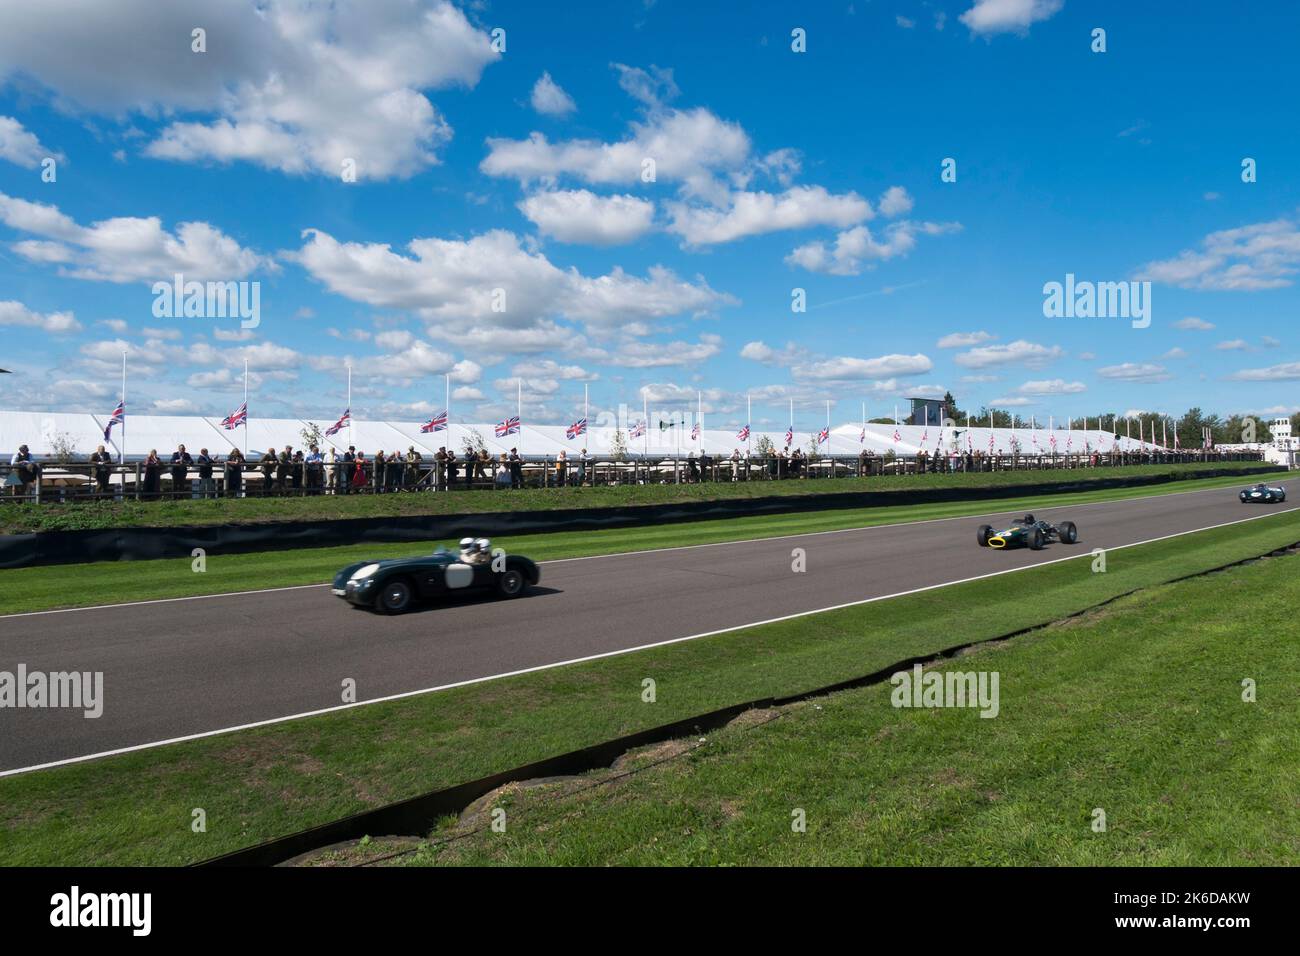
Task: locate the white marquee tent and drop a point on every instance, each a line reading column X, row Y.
column 48, row 432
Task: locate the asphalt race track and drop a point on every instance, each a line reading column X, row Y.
column 182, row 667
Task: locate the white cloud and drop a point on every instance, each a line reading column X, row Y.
column 1193, row 324
column 287, row 84
column 754, row 213
column 856, row 248
column 1263, row 255
column 988, row 17
column 1286, row 372
column 904, row 22
column 16, row 314
column 19, row 146
column 581, row 216
column 848, row 368
column 964, row 340
column 1233, row 345
column 895, row 202
column 455, row 281
column 174, row 406
column 1138, row 373
column 1175, row 353
column 549, row 368
column 1055, row 386
column 550, row 99
column 636, row 353
column 394, row 339
column 1019, row 352
column 127, row 249
column 765, row 354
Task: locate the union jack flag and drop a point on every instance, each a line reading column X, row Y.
column 344, row 420
column 508, row 427
column 1052, row 441
column 117, row 418
column 862, row 435
column 925, row 435
column 695, row 431
column 1069, row 441
column 970, row 441
column 990, row 440
column 897, row 436
column 236, row 418
column 789, row 435
column 577, row 428
column 435, row 424
column 823, row 435
column 743, row 434
column 637, row 430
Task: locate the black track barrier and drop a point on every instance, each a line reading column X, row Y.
column 151, row 543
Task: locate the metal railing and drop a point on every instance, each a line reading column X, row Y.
column 53, row 481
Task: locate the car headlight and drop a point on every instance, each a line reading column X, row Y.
column 363, row 573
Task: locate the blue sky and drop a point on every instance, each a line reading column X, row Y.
column 522, row 170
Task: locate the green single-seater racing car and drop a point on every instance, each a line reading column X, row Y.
column 1027, row 532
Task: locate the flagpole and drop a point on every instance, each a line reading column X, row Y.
column 585, row 419
column 645, row 432
column 749, row 424
column 446, row 401
column 121, row 451
column 245, row 409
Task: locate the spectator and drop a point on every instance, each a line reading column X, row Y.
column 692, row 467
column 583, row 459
column 502, row 478
column 395, row 470
column 381, row 470
column 516, row 469
column 440, row 468
column 330, row 476
column 180, row 469
column 345, row 472
column 207, row 486
column 152, row 474
column 705, row 464
column 296, row 474
column 414, row 460
column 561, row 469
column 358, row 478
column 452, row 469
column 234, row 473
column 315, row 471
column 102, row 461
column 471, row 464
column 267, row 463
column 284, row 464
column 25, row 468
column 484, row 465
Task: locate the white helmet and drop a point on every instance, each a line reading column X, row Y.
column 466, row 544
column 483, row 544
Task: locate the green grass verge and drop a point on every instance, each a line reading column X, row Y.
column 18, row 518
column 253, row 785
column 111, row 582
column 1136, row 709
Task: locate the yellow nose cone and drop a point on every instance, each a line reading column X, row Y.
column 997, row 542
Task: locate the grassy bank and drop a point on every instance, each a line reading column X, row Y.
column 253, row 785
column 22, row 518
column 86, row 585
column 1136, row 710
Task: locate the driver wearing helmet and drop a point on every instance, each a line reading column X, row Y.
column 476, row 550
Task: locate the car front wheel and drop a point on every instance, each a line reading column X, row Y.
column 982, row 535
column 395, row 597
column 1069, row 533
column 1036, row 540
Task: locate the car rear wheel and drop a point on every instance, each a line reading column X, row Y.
column 1069, row 533
column 983, row 535
column 396, row 596
column 1036, row 539
column 510, row 583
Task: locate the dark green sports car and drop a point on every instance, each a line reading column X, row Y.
column 1263, row 495
column 392, row 587
column 1027, row 533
